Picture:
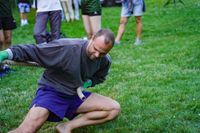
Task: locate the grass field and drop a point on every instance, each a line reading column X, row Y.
column 157, row 83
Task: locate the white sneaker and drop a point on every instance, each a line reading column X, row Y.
column 24, row 22
column 138, row 42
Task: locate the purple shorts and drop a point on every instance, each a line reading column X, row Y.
column 60, row 105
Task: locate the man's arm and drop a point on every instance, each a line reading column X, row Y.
column 47, row 55
column 101, row 74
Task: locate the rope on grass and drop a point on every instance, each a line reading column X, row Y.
column 15, row 63
column 34, row 64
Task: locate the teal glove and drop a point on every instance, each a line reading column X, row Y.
column 87, row 84
column 3, row 55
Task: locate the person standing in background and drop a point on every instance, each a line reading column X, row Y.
column 68, row 10
column 135, row 8
column 24, row 8
column 47, row 10
column 91, row 14
column 7, row 24
column 76, row 3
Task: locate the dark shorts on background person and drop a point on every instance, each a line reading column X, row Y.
column 91, row 7
column 7, row 23
column 92, row 13
column 60, row 105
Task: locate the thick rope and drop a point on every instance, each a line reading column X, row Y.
column 15, row 63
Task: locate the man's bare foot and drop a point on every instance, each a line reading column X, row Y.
column 63, row 128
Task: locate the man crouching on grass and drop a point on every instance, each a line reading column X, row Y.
column 68, row 64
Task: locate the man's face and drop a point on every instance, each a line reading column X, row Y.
column 97, row 48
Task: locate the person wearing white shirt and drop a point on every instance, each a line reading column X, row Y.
column 51, row 11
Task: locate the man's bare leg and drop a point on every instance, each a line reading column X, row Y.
column 33, row 121
column 95, row 110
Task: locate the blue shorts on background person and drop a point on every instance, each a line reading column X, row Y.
column 131, row 8
column 24, row 9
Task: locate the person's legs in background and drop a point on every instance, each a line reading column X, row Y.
column 121, row 29
column 137, row 12
column 95, row 22
column 87, row 26
column 6, row 27
column 76, row 9
column 70, row 9
column 1, row 39
column 125, row 13
column 66, row 13
column 138, row 20
column 24, row 8
column 92, row 24
column 91, row 14
column 55, row 23
column 7, row 38
column 40, row 27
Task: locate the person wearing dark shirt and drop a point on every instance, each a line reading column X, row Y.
column 7, row 24
column 68, row 64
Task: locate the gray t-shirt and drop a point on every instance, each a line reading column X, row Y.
column 66, row 64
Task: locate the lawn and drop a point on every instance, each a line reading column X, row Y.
column 156, row 83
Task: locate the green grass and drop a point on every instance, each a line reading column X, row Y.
column 157, row 84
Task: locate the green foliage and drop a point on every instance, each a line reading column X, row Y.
column 157, row 83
